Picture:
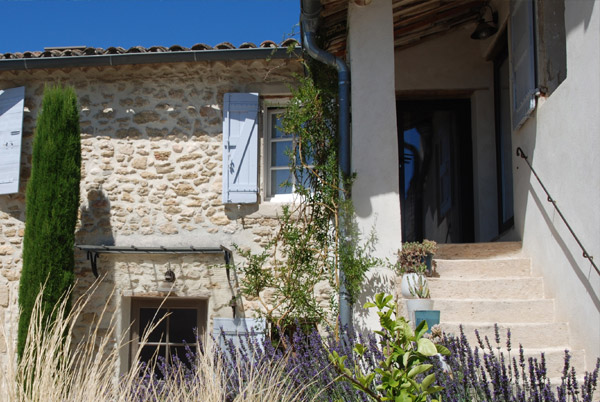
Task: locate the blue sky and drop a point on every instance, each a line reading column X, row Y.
column 35, row 24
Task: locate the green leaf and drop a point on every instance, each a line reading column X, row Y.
column 369, row 305
column 441, row 349
column 418, row 370
column 379, row 299
column 370, row 379
column 421, row 329
column 393, row 383
column 404, row 397
column 360, row 349
column 427, row 381
column 426, row 347
column 405, row 359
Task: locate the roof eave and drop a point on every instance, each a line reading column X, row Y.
column 148, row 58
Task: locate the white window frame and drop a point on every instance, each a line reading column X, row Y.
column 273, row 107
column 269, row 113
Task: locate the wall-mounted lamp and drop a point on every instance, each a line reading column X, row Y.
column 169, row 275
column 484, row 28
column 233, row 305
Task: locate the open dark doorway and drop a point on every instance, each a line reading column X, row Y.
column 436, row 170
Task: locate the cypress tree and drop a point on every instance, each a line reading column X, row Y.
column 52, row 202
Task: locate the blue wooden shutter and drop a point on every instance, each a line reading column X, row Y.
column 233, row 328
column 522, row 61
column 240, row 148
column 11, row 127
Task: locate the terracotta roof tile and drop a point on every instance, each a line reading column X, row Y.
column 157, row 49
column 136, row 49
column 289, row 42
column 201, row 46
column 98, row 51
column 90, row 51
column 177, row 48
column 268, row 43
column 224, row 45
column 114, row 50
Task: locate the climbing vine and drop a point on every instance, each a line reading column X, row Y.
column 301, row 262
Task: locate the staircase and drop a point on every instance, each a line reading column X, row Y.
column 478, row 285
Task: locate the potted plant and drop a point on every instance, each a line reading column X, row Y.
column 421, row 298
column 429, row 247
column 415, row 259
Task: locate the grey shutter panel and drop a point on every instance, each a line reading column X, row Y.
column 240, row 148
column 232, row 328
column 551, row 45
column 522, row 61
column 11, row 127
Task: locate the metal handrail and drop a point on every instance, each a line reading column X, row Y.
column 551, row 200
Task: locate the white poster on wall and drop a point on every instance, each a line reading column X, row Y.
column 11, row 133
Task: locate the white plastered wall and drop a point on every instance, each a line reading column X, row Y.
column 562, row 141
column 374, row 141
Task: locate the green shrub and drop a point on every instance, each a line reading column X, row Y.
column 405, row 372
column 51, row 206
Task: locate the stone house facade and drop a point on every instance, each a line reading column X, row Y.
column 152, row 151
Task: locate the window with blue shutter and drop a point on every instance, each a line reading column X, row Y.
column 240, row 148
column 522, row 60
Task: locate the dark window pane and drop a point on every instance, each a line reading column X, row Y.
column 278, row 153
column 182, row 324
column 303, row 179
column 308, row 159
column 276, row 131
column 277, row 178
column 147, row 316
column 154, row 354
column 185, row 354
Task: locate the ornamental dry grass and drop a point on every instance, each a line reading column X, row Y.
column 56, row 368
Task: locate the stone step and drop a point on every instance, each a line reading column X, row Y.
column 472, row 269
column 530, row 335
column 500, row 311
column 501, row 288
column 464, row 251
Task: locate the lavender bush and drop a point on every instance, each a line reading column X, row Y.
column 306, row 364
column 487, row 373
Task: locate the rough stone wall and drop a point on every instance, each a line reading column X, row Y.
column 151, row 176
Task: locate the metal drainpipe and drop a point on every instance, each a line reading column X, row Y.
column 310, row 10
